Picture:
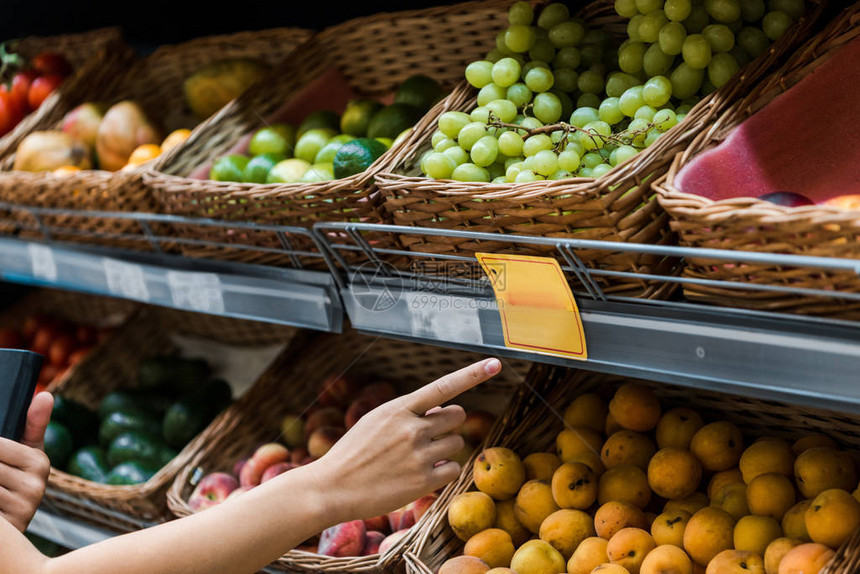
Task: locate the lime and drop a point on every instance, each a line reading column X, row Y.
column 357, row 115
column 229, row 167
column 391, row 120
column 356, row 156
column 288, row 171
column 419, row 91
column 276, row 138
column 319, row 119
column 387, row 142
column 327, row 153
column 258, row 168
column 312, row 141
column 322, row 171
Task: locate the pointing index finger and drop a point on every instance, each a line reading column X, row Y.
column 446, row 388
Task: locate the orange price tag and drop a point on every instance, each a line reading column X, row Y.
column 539, row 313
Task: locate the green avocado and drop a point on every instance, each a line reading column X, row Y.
column 184, row 420
column 123, row 400
column 129, row 473
column 174, row 374
column 140, row 447
column 119, row 422
column 59, row 444
column 82, row 422
column 89, row 463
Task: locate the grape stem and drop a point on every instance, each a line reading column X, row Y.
column 627, row 137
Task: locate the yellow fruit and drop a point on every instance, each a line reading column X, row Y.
column 736, row 562
column 541, row 465
column 615, row 515
column 66, row 170
column 668, row 528
column 674, row 473
column 723, row 478
column 754, row 533
column 212, row 87
column 794, row 521
column 573, row 441
column 708, row 532
column 464, row 565
column 624, row 482
column 628, row 548
column 667, row 559
column 586, row 410
column 635, row 407
column 832, row 517
column 470, row 513
column 143, row 154
column 590, row 553
column 50, row 150
column 591, row 460
column 718, row 446
column 733, row 499
column 565, row 530
column 174, row 138
column 764, row 456
column 692, row 504
column 506, row 519
column 771, row 495
column 534, row 504
column 611, row 426
column 677, row 427
column 627, row 447
column 537, row 557
column 609, row 568
column 574, row 485
column 499, row 472
column 809, row 441
column 776, row 551
column 805, row 559
column 124, row 127
column 821, row 468
column 493, row 546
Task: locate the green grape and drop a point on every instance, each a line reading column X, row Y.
column 649, row 29
column 597, row 36
column 569, row 57
column 505, row 110
column 497, row 171
column 681, row 117
column 754, row 41
column 501, row 46
column 592, row 159
column 656, row 62
column 450, row 123
column 723, row 10
column 740, row 55
column 794, row 8
column 479, row 73
column 539, row 79
column 512, row 171
column 547, row 107
column 534, row 64
column 631, row 100
column 584, row 115
column 566, row 34
column 696, row 51
column 719, row 37
column 753, row 10
column 595, row 129
column 697, row 20
column 585, row 172
column 707, row 86
column 458, row 154
column 532, row 123
column 657, row 91
column 499, row 179
column 520, row 14
column 437, row 136
column 775, row 23
column 560, row 174
column 600, row 170
column 494, row 56
column 686, row 81
column 553, row 14
column 566, row 102
column 527, row 176
column 574, row 145
column 545, row 162
column 645, row 112
column 519, row 94
column 638, row 125
column 622, row 154
column 722, row 67
column 422, row 160
column 592, row 55
column 610, row 112
column 618, row 82
column 470, row 172
column 735, row 26
column 591, row 82
column 506, row 72
column 556, row 136
column 512, row 160
column 519, row 39
column 648, row 6
column 485, row 151
column 536, row 143
column 566, row 79
column 664, row 120
column 439, row 166
column 471, row 133
column 631, row 56
column 480, row 114
column 588, row 101
column 683, row 109
column 671, row 38
column 542, row 50
column 626, row 8
column 677, row 10
column 489, row 93
column 444, row 143
column 510, row 144
column 568, row 160
column 633, row 28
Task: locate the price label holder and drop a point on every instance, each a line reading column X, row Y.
column 42, row 262
column 196, row 291
column 538, row 311
column 125, row 280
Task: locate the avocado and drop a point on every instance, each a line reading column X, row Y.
column 59, row 444
column 122, row 400
column 129, row 473
column 172, row 374
column 141, row 447
column 393, row 119
column 89, row 463
column 82, row 422
column 184, row 420
column 119, row 422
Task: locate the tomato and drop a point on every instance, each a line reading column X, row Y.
column 7, row 111
column 42, row 340
column 42, row 88
column 52, row 63
column 40, row 387
column 20, row 90
column 60, row 349
column 30, row 326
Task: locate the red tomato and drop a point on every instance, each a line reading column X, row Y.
column 49, row 63
column 40, row 387
column 42, row 88
column 30, row 326
column 60, row 349
column 43, row 339
column 7, row 111
column 20, row 90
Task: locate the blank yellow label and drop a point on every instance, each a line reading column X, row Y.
column 539, row 313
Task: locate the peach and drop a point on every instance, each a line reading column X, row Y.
column 499, row 472
column 635, row 407
column 534, row 503
column 391, row 540
column 813, row 440
column 420, row 507
column 624, row 482
column 666, row 559
column 401, row 519
column 708, row 532
column 674, row 473
column 537, row 557
column 344, row 539
column 251, row 473
column 832, row 517
column 754, row 533
column 794, row 521
column 506, row 519
column 565, row 529
column 477, row 427
column 668, row 528
column 357, row 409
column 776, row 551
column 322, row 439
column 293, row 431
column 765, row 456
column 464, row 565
column 720, row 479
column 337, row 391
column 574, row 485
column 733, row 499
column 821, row 468
column 541, row 465
column 323, row 417
column 587, row 410
column 808, row 558
column 239, row 491
column 627, row 447
column 736, row 562
column 677, row 427
column 590, row 554
column 299, row 455
column 770, row 494
column 372, row 541
column 271, row 453
column 494, row 546
column 237, row 467
column 275, row 469
column 576, row 440
column 718, row 445
column 500, row 571
column 470, row 513
column 381, row 392
column 378, row 523
column 615, row 515
column 692, row 504
column 212, row 489
column 628, row 547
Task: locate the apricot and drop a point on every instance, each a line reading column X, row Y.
column 776, row 551
column 723, row 478
column 537, row 557
column 494, row 546
column 708, row 532
column 499, row 472
column 627, row 447
column 506, row 519
column 832, row 517
column 615, row 515
column 736, row 562
column 635, row 407
column 692, row 504
column 674, row 473
column 667, row 559
column 500, row 571
column 534, row 503
column 590, row 459
column 577, row 440
column 677, row 427
column 718, row 446
column 611, row 426
column 794, row 521
column 821, row 468
column 754, row 533
column 733, row 499
column 565, row 530
column 668, row 528
column 628, row 547
column 541, row 465
column 586, row 410
column 624, row 482
column 809, row 441
column 574, row 485
column 769, row 455
column 590, row 553
column 808, row 558
column 464, row 565
column 771, row 495
column 470, row 513
column 609, row 568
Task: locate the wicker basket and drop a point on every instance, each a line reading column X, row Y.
column 115, row 366
column 258, row 416
column 156, row 83
column 749, row 224
column 619, row 206
column 374, row 55
column 534, row 419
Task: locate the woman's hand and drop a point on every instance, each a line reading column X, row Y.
column 24, row 467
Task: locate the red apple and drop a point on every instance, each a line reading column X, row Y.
column 477, row 426
column 321, row 441
column 358, row 409
column 391, row 540
column 325, row 417
column 371, row 543
column 344, row 539
column 276, row 469
column 213, row 489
